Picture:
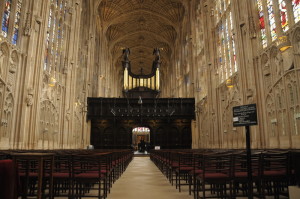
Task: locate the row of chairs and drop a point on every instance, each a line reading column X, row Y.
column 223, row 173
column 71, row 173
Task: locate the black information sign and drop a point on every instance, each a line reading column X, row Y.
column 245, row 115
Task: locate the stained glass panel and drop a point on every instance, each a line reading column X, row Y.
column 218, row 11
column 225, row 43
column 57, row 42
column 219, row 44
column 46, row 62
column 233, row 45
column 228, row 48
column 65, row 9
column 17, row 23
column 234, row 55
column 262, row 24
column 296, row 10
column 283, row 15
column 61, row 5
column 46, row 59
column 53, row 36
column 5, row 17
column 50, row 19
column 224, row 55
column 272, row 19
column 220, row 41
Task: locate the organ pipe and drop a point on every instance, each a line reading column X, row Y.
column 125, row 79
column 132, row 81
column 157, row 79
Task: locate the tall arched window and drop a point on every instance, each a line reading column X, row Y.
column 272, row 22
column 272, row 12
column 262, row 23
column 283, row 15
column 11, row 14
column 296, row 10
column 6, row 17
column 225, row 40
column 55, row 37
column 15, row 35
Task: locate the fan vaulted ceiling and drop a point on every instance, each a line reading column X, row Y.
column 141, row 25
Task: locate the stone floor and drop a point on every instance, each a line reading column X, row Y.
column 143, row 180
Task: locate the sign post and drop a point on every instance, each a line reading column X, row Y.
column 246, row 115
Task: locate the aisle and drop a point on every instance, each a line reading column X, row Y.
column 143, row 180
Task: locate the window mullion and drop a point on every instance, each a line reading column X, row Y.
column 267, row 22
column 290, row 13
column 279, row 30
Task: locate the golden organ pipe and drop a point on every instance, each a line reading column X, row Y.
column 133, row 82
column 153, row 82
column 130, row 82
column 149, row 83
column 141, row 82
column 125, row 79
column 157, row 79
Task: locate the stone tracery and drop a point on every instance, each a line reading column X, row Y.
column 87, row 63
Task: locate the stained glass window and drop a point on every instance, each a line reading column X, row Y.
column 5, row 17
column 228, row 53
column 220, row 52
column 234, row 55
column 57, row 42
column 61, row 5
column 272, row 19
column 233, row 45
column 55, row 37
column 225, row 41
column 262, row 24
column 283, row 15
column 48, row 41
column 224, row 55
column 65, row 9
column 296, row 10
column 17, row 22
column 50, row 18
column 218, row 11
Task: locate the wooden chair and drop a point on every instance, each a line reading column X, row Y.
column 62, row 175
column 216, row 173
column 87, row 175
column 185, row 166
column 274, row 174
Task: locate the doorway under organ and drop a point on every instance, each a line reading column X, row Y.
column 140, row 139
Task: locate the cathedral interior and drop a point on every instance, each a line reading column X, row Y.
column 106, row 74
column 56, row 54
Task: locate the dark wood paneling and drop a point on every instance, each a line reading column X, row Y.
column 163, row 133
column 113, row 119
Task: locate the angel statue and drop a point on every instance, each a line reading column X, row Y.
column 156, row 52
column 126, row 53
